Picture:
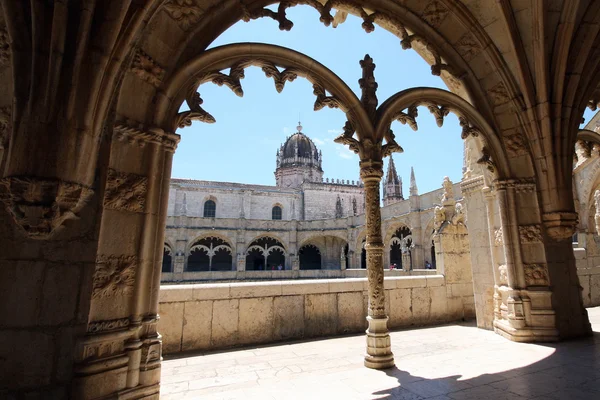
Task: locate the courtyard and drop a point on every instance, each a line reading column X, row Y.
column 455, row 361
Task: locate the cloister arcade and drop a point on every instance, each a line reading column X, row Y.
column 91, row 98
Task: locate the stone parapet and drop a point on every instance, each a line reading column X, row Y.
column 222, row 315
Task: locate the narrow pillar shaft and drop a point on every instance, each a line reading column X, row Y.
column 379, row 352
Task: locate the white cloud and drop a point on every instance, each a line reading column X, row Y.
column 318, row 141
column 338, row 131
column 286, row 130
column 345, row 153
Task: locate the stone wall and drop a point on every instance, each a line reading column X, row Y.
column 216, row 316
column 587, row 257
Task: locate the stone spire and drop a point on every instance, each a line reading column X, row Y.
column 392, row 188
column 414, row 191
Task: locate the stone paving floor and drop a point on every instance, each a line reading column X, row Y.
column 445, row 362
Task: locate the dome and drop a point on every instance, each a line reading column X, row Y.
column 299, row 145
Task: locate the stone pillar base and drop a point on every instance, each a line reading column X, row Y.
column 379, row 349
column 526, row 334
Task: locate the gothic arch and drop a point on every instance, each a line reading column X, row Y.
column 271, row 236
column 208, row 66
column 392, row 228
column 312, row 237
column 205, row 235
column 440, row 102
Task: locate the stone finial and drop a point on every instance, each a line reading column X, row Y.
column 414, row 191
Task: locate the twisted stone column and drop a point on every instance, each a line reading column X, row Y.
column 379, row 352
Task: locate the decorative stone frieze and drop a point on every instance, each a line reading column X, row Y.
column 135, row 134
column 530, row 234
column 41, row 206
column 150, row 353
column 4, row 126
column 536, row 275
column 125, row 191
column 185, row 12
column 473, row 184
column 114, row 276
column 147, row 69
column 98, row 350
column 519, row 185
column 107, row 326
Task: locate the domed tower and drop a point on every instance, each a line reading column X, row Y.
column 298, row 161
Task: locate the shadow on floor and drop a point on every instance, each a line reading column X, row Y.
column 571, row 372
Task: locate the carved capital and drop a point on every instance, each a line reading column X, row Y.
column 371, row 171
column 560, row 225
column 41, row 206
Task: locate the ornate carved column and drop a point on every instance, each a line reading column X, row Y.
column 379, row 351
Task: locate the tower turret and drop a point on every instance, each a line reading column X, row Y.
column 415, row 202
column 392, row 188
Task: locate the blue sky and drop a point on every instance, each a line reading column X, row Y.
column 241, row 145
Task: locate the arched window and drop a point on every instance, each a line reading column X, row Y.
column 265, row 253
column 276, row 213
column 167, row 259
column 310, row 257
column 400, row 248
column 210, row 209
column 210, row 254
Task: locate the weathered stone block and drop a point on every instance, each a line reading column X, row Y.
column 170, row 326
column 350, row 312
column 175, row 293
column 225, row 323
column 211, row 292
column 439, row 305
column 255, row 289
column 197, row 321
column 594, row 290
column 288, row 317
column 400, row 308
column 321, row 314
column 256, row 320
column 421, row 304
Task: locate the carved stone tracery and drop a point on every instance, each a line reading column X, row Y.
column 536, row 275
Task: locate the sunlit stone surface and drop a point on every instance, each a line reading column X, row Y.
column 446, row 362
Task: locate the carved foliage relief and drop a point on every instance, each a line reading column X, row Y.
column 4, row 47
column 530, row 234
column 114, row 276
column 435, row 13
column 125, row 192
column 147, row 69
column 536, row 275
column 185, row 12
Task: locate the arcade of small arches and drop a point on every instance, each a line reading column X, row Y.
column 212, row 254
column 91, row 97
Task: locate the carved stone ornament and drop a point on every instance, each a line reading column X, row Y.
column 503, row 275
column 560, row 225
column 519, row 185
column 98, row 350
column 516, row 145
column 114, row 276
column 530, row 234
column 185, row 12
column 41, row 206
column 4, row 47
column 150, row 353
column 106, row 326
column 499, row 94
column 435, row 13
column 134, row 133
column 125, row 191
column 147, row 69
column 439, row 217
column 467, row 46
column 498, row 238
column 486, row 159
column 536, row 275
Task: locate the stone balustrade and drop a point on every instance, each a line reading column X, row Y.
column 200, row 317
